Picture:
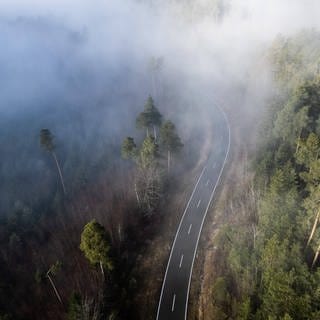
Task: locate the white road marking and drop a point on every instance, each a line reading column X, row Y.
column 181, row 259
column 202, row 222
column 175, row 239
column 208, row 182
column 198, row 203
column 214, row 165
column 213, row 191
column 173, row 302
column 190, row 228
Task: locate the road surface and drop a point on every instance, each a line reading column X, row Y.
column 173, row 303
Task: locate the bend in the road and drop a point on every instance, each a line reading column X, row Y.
column 169, row 307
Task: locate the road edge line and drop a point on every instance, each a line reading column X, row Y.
column 175, row 238
column 211, row 197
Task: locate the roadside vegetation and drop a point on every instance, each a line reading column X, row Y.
column 268, row 256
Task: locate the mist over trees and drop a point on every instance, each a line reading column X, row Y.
column 46, row 142
column 76, row 96
column 170, row 140
column 78, row 77
column 149, row 176
column 149, row 118
column 271, row 254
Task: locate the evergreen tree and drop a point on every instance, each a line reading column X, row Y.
column 308, row 152
column 74, row 308
column 150, row 117
column 170, row 140
column 95, row 246
column 149, row 152
column 129, row 148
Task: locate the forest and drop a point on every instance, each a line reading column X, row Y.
column 105, row 120
column 270, row 252
column 41, row 254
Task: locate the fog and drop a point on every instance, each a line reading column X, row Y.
column 81, row 68
column 105, row 36
column 48, row 46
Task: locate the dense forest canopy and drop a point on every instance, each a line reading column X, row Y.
column 271, row 253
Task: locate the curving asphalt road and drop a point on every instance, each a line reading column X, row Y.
column 173, row 302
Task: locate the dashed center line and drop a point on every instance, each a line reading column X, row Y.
column 208, row 182
column 173, row 302
column 214, row 165
column 190, row 228
column 198, row 203
column 181, row 259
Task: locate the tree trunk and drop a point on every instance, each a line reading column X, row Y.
column 154, row 85
column 169, row 159
column 298, row 142
column 314, row 228
column 254, row 230
column 119, row 232
column 316, row 256
column 136, row 192
column 54, row 288
column 155, row 132
column 147, row 132
column 60, row 172
column 101, row 268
